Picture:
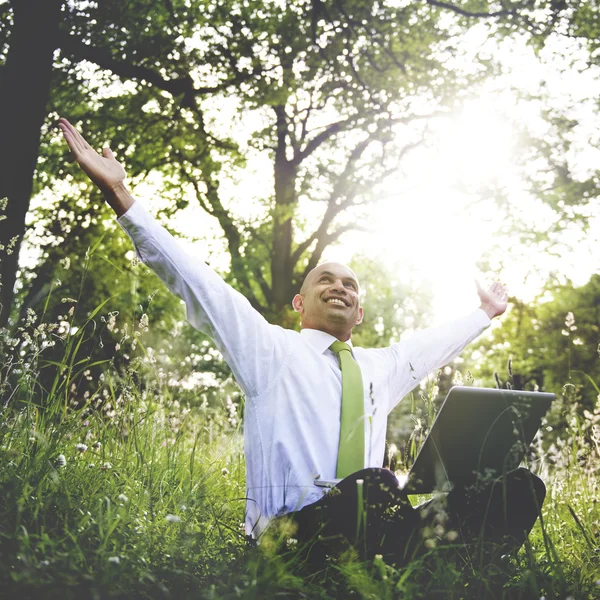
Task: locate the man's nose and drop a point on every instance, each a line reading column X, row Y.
column 338, row 286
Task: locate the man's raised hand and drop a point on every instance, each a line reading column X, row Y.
column 105, row 171
column 494, row 300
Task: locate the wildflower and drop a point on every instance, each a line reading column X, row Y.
column 106, row 466
column 81, row 447
column 173, row 518
column 61, row 461
column 65, row 263
column 115, row 560
column 68, row 300
column 44, row 563
column 452, row 536
column 224, row 472
column 123, row 498
column 291, row 542
column 91, row 465
column 143, row 325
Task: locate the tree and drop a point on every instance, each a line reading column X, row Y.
column 342, row 91
column 24, row 90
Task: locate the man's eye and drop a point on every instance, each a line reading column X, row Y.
column 351, row 285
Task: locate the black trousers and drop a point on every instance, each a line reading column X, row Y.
column 369, row 512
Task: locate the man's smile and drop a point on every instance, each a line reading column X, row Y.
column 337, row 301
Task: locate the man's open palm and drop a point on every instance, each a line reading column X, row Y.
column 494, row 300
column 103, row 170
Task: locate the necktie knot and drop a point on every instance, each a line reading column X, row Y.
column 338, row 347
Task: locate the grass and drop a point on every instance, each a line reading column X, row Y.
column 125, row 494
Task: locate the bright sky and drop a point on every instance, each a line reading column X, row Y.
column 427, row 222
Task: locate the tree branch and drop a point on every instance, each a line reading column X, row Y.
column 467, row 13
column 313, row 144
column 322, row 243
column 183, row 85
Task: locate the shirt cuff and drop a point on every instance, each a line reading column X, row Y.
column 137, row 223
column 482, row 319
column 135, row 216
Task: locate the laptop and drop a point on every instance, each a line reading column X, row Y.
column 478, row 432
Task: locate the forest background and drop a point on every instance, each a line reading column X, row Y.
column 270, row 136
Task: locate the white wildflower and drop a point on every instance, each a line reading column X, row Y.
column 173, row 518
column 123, row 498
column 106, row 466
column 61, row 461
column 143, row 325
column 81, row 447
column 115, row 560
column 452, row 536
column 224, row 471
column 97, row 445
column 65, row 263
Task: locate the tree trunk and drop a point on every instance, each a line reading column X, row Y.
column 285, row 203
column 24, row 90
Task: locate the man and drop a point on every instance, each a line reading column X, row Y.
column 316, row 408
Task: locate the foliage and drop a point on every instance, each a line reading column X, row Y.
column 330, row 95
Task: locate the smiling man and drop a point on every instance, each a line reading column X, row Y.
column 316, row 407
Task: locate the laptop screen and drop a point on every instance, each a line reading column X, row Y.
column 478, row 433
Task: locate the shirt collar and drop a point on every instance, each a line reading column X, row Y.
column 320, row 340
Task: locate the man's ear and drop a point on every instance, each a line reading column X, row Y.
column 361, row 315
column 298, row 303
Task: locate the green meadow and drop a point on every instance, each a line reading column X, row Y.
column 125, row 493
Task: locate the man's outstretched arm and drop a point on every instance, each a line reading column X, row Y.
column 253, row 349
column 105, row 171
column 434, row 347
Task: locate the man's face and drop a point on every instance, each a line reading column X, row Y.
column 329, row 300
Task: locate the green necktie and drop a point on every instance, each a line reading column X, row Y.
column 351, row 451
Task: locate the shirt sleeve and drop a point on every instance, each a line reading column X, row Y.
column 431, row 349
column 248, row 343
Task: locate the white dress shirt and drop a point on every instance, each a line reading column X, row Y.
column 291, row 380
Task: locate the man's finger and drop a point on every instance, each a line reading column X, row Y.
column 107, row 152
column 77, row 139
